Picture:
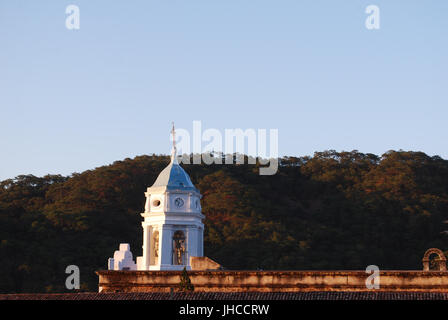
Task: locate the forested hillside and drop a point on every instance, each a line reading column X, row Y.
column 330, row 211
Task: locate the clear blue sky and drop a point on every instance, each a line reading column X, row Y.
column 74, row 100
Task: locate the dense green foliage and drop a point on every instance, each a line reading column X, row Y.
column 330, row 211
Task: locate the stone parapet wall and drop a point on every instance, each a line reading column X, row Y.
column 271, row 281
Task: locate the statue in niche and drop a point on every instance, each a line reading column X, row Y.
column 156, row 246
column 179, row 248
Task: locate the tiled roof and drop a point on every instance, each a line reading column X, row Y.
column 330, row 295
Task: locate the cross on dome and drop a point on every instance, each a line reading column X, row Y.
column 174, row 151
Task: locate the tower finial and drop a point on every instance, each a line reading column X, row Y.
column 174, row 151
column 173, row 131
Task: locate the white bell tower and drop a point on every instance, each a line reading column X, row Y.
column 172, row 228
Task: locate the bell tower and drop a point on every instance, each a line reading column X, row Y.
column 172, row 228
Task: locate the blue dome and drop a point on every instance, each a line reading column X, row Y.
column 174, row 177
